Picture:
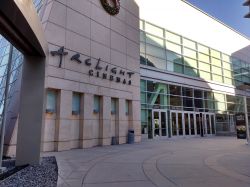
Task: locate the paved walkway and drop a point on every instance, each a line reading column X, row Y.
column 206, row 162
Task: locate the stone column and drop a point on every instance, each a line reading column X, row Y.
column 105, row 121
column 86, row 127
column 63, row 120
column 136, row 119
column 31, row 111
column 123, row 121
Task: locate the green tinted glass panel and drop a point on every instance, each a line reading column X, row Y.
column 219, row 97
column 144, row 115
column 154, row 40
column 208, row 95
column 228, row 81
column 143, row 85
column 220, row 106
column 156, row 62
column 173, row 57
column 141, row 25
column 216, row 70
column 209, row 104
column 189, row 53
column 157, row 31
column 227, row 65
column 143, row 59
column 191, row 71
column 173, row 47
column 215, row 53
column 204, row 58
column 236, row 61
column 142, row 48
column 178, row 68
column 227, row 73
column 173, row 37
column 175, row 100
column 203, row 49
column 162, row 88
column 142, row 36
column 170, row 66
column 216, row 62
column 155, row 51
column 225, row 57
column 217, row 78
column 190, row 62
column 205, row 75
column 246, row 79
column 143, row 97
column 189, row 43
column 204, row 66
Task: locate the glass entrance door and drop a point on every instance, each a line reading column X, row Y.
column 185, row 123
column 177, row 125
column 189, row 124
column 205, row 123
column 159, row 123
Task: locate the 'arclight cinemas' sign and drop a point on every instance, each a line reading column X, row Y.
column 98, row 68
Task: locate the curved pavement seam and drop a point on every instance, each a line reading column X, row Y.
column 212, row 163
column 107, row 156
column 157, row 161
column 154, row 174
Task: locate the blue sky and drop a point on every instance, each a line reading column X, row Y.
column 231, row 12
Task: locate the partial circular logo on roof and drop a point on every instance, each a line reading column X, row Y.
column 112, row 8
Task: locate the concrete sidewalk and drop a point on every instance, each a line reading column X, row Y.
column 212, row 162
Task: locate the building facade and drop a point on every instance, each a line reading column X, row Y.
column 194, row 72
column 164, row 69
column 93, row 91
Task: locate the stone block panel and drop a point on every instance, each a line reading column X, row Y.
column 78, row 23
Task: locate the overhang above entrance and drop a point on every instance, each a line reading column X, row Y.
column 21, row 26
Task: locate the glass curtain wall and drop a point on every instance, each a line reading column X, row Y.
column 165, row 50
column 155, row 95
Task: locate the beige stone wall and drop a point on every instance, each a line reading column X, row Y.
column 84, row 27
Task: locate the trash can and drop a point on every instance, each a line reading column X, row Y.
column 131, row 136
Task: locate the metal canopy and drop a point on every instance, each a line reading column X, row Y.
column 21, row 26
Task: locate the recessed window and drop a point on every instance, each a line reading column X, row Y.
column 96, row 104
column 76, row 103
column 127, row 107
column 51, row 101
column 113, row 106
